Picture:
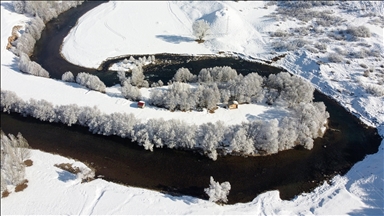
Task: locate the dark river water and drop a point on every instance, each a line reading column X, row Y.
column 178, row 172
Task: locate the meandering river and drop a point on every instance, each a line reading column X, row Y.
column 178, row 172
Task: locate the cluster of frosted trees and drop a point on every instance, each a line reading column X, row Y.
column 130, row 86
column 140, row 61
column 85, row 79
column 212, row 139
column 221, row 84
column 42, row 11
column 14, row 151
column 31, row 67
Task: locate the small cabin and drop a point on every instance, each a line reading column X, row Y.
column 233, row 105
column 141, row 104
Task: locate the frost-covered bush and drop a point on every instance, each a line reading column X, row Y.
column 325, row 19
column 31, row 67
column 341, row 51
column 311, row 49
column 303, row 31
column 359, row 31
column 361, row 53
column 218, row 192
column 296, row 44
column 68, row 77
column 90, row 81
column 336, row 36
column 376, row 90
column 335, row 58
column 279, row 33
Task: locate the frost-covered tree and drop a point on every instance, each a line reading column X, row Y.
column 48, row 9
column 288, row 134
column 42, row 109
column 239, row 141
column 137, row 78
column 10, row 102
column 218, row 192
column 90, row 81
column 14, row 151
column 130, row 92
column 264, row 135
column 291, row 90
column 31, row 67
column 184, row 75
column 87, row 115
column 207, row 95
column 246, row 89
column 35, row 27
column 19, row 6
column 201, row 29
column 311, row 117
column 205, row 76
column 67, row 114
column 68, row 77
column 25, row 43
column 217, row 74
column 121, row 75
column 209, row 137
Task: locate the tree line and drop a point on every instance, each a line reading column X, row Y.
column 223, row 84
column 258, row 137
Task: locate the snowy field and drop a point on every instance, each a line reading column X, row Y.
column 241, row 27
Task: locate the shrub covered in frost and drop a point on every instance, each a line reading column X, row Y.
column 90, row 81
column 68, row 77
column 334, row 57
column 218, row 192
column 359, row 31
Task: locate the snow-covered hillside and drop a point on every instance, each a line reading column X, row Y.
column 121, row 28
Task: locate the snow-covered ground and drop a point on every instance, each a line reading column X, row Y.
column 121, row 28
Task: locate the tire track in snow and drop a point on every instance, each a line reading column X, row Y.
column 112, row 30
column 91, row 207
column 173, row 13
